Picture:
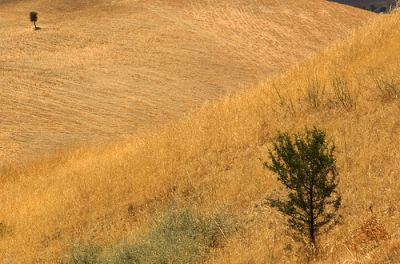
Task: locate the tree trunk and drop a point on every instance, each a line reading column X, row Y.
column 312, row 219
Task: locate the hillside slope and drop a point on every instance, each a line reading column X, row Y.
column 213, row 159
column 105, row 69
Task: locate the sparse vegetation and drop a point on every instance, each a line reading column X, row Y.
column 180, row 237
column 82, row 254
column 369, row 235
column 315, row 95
column 389, row 89
column 342, row 95
column 4, row 230
column 306, row 166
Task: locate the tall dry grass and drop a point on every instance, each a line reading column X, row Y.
column 213, row 159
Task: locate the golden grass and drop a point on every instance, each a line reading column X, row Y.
column 102, row 70
column 213, row 159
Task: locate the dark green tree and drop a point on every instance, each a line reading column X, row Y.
column 305, row 165
column 34, row 17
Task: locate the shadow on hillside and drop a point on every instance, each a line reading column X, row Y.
column 377, row 6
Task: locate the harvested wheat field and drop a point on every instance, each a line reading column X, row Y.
column 193, row 190
column 103, row 70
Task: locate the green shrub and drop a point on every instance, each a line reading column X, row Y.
column 179, row 237
column 306, row 167
column 82, row 254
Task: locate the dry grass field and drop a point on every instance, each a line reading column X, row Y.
column 103, row 70
column 211, row 160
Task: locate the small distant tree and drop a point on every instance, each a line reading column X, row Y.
column 305, row 165
column 34, row 17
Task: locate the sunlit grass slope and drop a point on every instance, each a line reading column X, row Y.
column 105, row 69
column 213, row 160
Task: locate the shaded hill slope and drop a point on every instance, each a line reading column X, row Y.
column 105, row 69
